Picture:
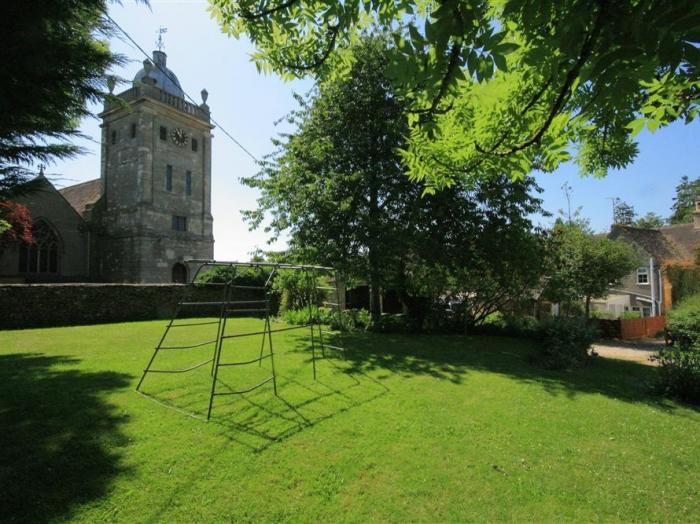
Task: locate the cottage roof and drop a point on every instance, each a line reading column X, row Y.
column 666, row 244
column 80, row 196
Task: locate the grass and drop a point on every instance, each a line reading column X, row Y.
column 409, row 429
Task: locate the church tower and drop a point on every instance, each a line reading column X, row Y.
column 155, row 208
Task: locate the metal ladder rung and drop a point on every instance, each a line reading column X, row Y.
column 194, row 324
column 245, row 310
column 246, row 362
column 189, row 347
column 178, row 370
column 248, row 302
column 331, row 303
column 245, row 390
column 202, row 303
column 248, row 287
column 332, row 347
column 326, row 287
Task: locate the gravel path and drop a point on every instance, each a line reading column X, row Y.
column 634, row 350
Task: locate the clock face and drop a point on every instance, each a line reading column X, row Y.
column 178, row 137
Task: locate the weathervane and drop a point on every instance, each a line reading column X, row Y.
column 159, row 43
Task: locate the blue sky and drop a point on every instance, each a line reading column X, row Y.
column 247, row 104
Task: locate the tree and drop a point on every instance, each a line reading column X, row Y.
column 585, row 266
column 687, row 192
column 54, row 57
column 650, row 221
column 338, row 187
column 15, row 224
column 624, row 214
column 502, row 86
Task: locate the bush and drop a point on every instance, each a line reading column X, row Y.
column 566, row 342
column 684, row 323
column 679, row 372
column 679, row 365
column 390, row 323
column 350, row 319
column 508, row 325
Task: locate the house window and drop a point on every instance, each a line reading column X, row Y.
column 194, row 144
column 113, row 139
column 163, row 133
column 133, row 130
column 168, row 177
column 188, row 183
column 643, row 276
column 41, row 256
column 179, row 223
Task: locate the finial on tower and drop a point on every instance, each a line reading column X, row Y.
column 159, row 43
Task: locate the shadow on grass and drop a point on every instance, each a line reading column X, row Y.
column 57, row 436
column 454, row 357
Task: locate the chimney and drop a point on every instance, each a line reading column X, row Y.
column 696, row 215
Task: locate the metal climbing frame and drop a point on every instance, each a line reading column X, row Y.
column 319, row 298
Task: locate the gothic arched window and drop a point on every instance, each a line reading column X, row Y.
column 179, row 273
column 43, row 255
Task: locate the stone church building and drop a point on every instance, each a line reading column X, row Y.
column 149, row 210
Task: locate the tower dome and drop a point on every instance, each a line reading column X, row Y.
column 159, row 75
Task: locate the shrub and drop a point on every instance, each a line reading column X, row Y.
column 679, row 365
column 390, row 323
column 508, row 325
column 350, row 319
column 679, row 372
column 566, row 342
column 684, row 322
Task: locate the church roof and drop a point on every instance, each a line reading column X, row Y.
column 162, row 77
column 82, row 195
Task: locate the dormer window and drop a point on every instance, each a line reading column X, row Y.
column 643, row 276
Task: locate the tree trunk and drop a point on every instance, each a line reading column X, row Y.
column 588, row 307
column 372, row 253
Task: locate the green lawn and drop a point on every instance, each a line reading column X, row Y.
column 424, row 428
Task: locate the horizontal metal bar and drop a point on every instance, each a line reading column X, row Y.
column 238, row 335
column 329, row 332
column 179, row 370
column 248, row 302
column 197, row 284
column 326, row 287
column 333, row 347
column 246, row 390
column 202, row 303
column 331, row 303
column 246, row 362
column 275, row 265
column 188, row 347
column 194, row 324
column 246, row 310
column 248, row 287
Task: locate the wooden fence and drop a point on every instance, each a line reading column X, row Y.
column 630, row 328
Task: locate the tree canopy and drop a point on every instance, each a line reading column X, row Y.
column 500, row 86
column 687, row 193
column 337, row 185
column 54, row 56
column 584, row 266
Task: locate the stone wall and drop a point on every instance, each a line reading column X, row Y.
column 41, row 305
